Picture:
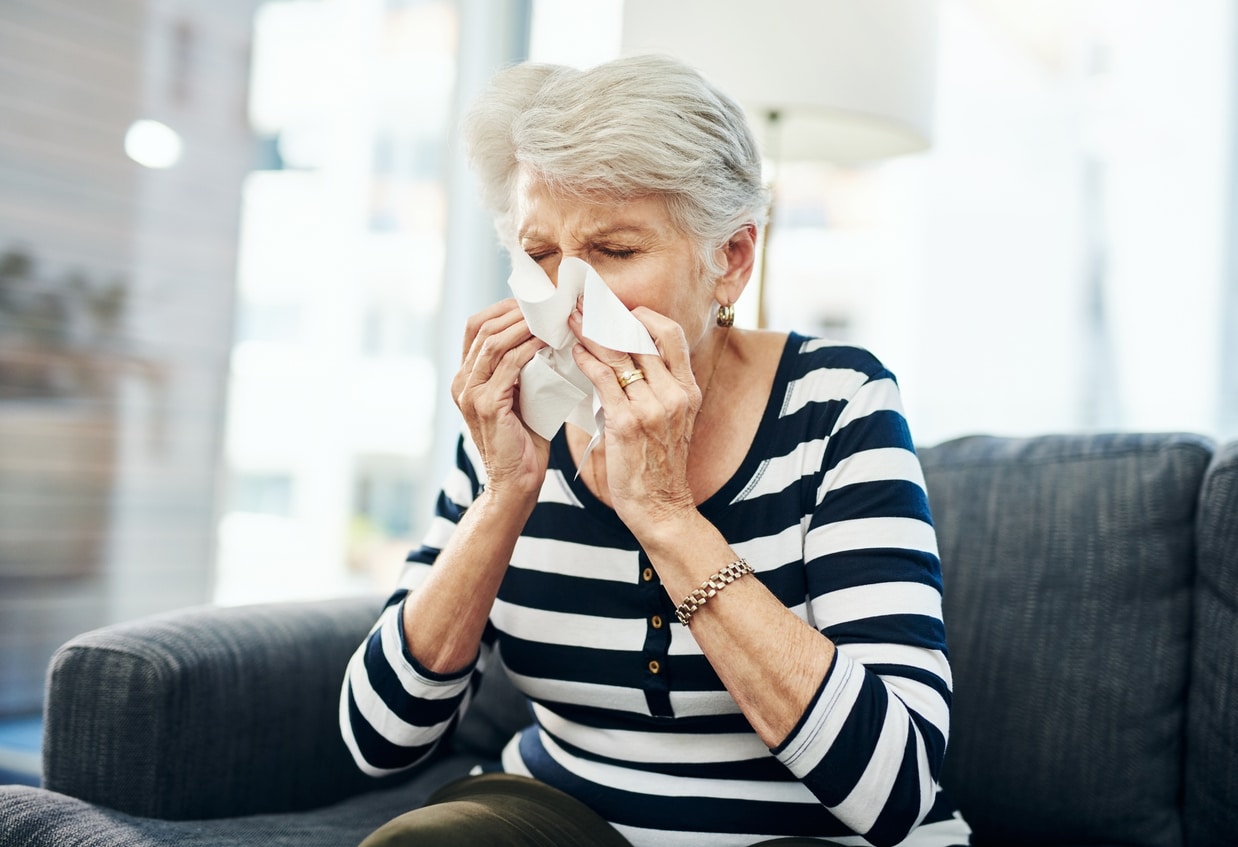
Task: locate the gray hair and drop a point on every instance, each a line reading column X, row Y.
column 634, row 127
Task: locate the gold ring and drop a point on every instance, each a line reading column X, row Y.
column 628, row 377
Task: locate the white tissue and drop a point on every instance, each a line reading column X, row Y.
column 552, row 389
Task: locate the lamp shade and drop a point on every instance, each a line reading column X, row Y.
column 848, row 80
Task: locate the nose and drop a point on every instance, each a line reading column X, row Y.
column 551, row 266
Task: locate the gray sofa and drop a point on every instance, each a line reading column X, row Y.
column 1092, row 612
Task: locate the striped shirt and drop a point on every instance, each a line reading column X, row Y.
column 829, row 507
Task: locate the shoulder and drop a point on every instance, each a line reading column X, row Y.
column 823, row 371
column 766, row 351
column 809, row 354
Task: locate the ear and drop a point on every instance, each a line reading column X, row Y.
column 740, row 258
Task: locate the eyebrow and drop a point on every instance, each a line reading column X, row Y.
column 605, row 231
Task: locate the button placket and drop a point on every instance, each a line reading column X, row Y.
column 657, row 640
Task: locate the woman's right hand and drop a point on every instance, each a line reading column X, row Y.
column 497, row 344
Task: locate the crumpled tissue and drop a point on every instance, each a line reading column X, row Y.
column 553, row 390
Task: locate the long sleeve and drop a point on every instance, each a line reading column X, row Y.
column 871, row 743
column 394, row 712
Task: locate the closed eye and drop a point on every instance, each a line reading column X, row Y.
column 616, row 254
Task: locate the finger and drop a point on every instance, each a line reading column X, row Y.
column 492, row 339
column 602, row 375
column 498, row 382
column 633, row 380
column 493, row 318
column 495, row 336
column 491, row 349
column 669, row 373
column 617, row 360
column 630, row 378
column 507, row 369
column 668, row 337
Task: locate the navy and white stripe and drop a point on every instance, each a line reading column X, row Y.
column 829, row 507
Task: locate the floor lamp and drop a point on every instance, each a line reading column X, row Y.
column 843, row 81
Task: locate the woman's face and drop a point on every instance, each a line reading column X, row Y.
column 633, row 245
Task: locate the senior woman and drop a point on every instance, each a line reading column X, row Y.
column 727, row 613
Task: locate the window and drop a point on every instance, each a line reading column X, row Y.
column 124, row 149
column 221, row 290
column 340, row 276
column 342, row 310
column 262, row 494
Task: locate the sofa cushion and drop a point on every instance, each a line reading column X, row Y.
column 1211, row 803
column 1068, row 564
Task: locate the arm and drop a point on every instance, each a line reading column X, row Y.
column 395, row 710
column 872, row 741
column 854, row 721
column 409, row 682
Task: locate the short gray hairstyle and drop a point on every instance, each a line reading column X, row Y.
column 634, row 127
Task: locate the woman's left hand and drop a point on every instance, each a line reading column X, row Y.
column 649, row 423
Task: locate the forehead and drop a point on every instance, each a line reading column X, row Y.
column 540, row 211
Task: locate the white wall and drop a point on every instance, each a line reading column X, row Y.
column 1057, row 260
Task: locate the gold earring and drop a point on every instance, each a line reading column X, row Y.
column 726, row 315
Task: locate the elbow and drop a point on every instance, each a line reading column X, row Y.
column 377, row 757
column 880, row 839
column 911, row 797
column 896, row 822
column 349, row 720
column 379, row 751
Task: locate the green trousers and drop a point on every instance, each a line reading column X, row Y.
column 505, row 810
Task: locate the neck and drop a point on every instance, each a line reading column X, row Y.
column 707, row 371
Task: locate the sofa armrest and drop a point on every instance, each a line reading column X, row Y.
column 207, row 712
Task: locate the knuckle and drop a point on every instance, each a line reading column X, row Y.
column 488, row 349
column 461, row 394
column 475, row 326
column 624, row 425
column 682, row 401
column 486, row 329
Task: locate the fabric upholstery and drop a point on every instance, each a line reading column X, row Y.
column 1211, row 803
column 32, row 817
column 1068, row 565
column 207, row 712
column 1071, row 596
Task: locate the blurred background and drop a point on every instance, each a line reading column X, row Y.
column 238, row 243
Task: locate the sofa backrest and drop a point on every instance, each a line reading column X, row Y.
column 1069, row 564
column 1211, row 800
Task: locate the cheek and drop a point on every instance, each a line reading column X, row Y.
column 671, row 291
column 633, row 285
